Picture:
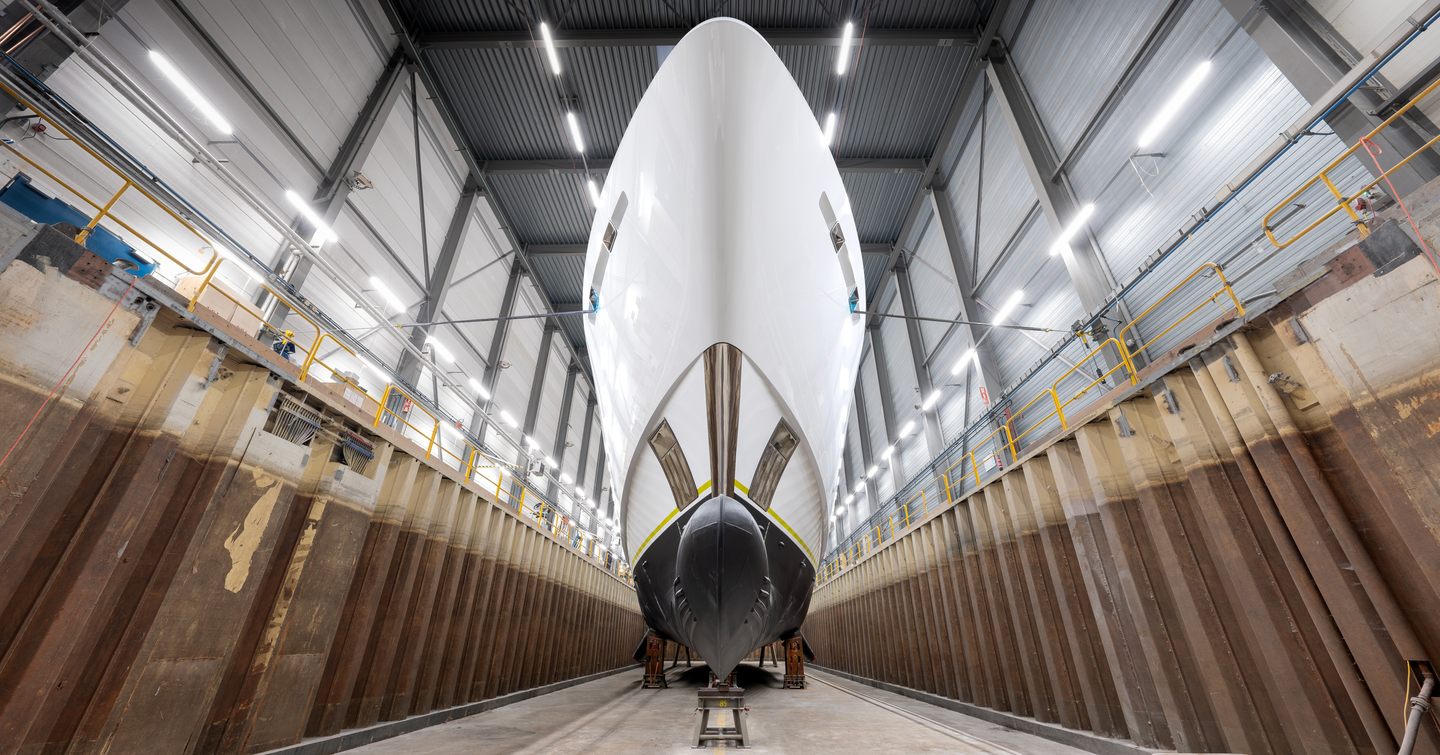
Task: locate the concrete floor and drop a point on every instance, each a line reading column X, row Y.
column 613, row 715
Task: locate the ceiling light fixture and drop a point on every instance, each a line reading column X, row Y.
column 389, row 296
column 962, row 361
column 479, row 389
column 594, row 192
column 192, row 94
column 842, row 59
column 550, row 53
column 1172, row 106
column 323, row 232
column 508, row 419
column 1008, row 308
column 440, row 348
column 1072, row 229
column 574, row 123
column 930, row 401
column 907, row 428
column 828, row 135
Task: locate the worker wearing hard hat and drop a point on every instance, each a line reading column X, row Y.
column 285, row 344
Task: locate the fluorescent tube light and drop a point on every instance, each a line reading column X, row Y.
column 507, row 419
column 842, row 59
column 1072, row 229
column 594, row 192
column 1008, row 308
column 550, row 53
column 829, row 133
column 323, row 232
column 479, row 389
column 191, row 93
column 930, row 400
column 962, row 361
column 1172, row 106
column 575, row 136
column 389, row 296
column 440, row 348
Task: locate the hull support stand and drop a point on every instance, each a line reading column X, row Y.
column 721, row 708
column 654, row 663
column 794, row 663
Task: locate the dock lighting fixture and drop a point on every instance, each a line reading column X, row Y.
column 907, row 428
column 930, row 401
column 849, row 499
column 859, row 484
column 440, row 349
column 551, row 463
column 575, row 137
column 963, row 361
column 842, row 59
column 594, row 192
column 888, row 452
column 565, row 479
column 1172, row 106
column 323, row 232
column 1008, row 308
column 508, row 419
column 192, row 94
column 1072, row 229
column 550, row 53
column 479, row 390
column 531, row 442
column 874, row 468
column 389, row 296
column 829, row 134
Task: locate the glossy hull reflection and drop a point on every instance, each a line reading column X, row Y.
column 722, row 270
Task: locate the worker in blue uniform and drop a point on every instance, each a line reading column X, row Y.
column 285, row 344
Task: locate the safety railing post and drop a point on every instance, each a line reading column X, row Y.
column 90, row 227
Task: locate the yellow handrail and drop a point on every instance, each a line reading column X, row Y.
column 385, row 409
column 1004, row 437
column 1343, row 201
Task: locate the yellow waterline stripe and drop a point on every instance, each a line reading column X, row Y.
column 706, row 486
column 655, row 532
column 781, row 521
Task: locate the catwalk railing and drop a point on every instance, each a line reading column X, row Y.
column 986, row 457
column 413, row 416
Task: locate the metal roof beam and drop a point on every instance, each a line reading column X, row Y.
column 480, row 419
column 452, row 125
column 959, row 259
column 537, row 382
column 934, row 439
column 1088, row 271
column 578, row 250
column 334, row 186
column 1313, row 57
column 888, row 411
column 439, row 284
column 827, row 37
column 602, row 164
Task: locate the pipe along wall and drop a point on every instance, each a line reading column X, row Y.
column 175, row 576
column 1238, row 556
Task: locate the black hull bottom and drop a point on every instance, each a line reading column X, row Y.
column 723, row 579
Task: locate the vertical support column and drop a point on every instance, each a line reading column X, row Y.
column 438, row 285
column 934, row 440
column 954, row 241
column 558, row 450
column 497, row 349
column 887, row 403
column 335, row 187
column 585, row 442
column 1312, row 56
column 867, row 454
column 1085, row 262
column 537, row 383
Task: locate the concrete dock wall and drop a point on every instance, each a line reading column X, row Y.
column 178, row 576
column 1239, row 555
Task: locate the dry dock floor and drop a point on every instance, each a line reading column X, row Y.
column 613, row 715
